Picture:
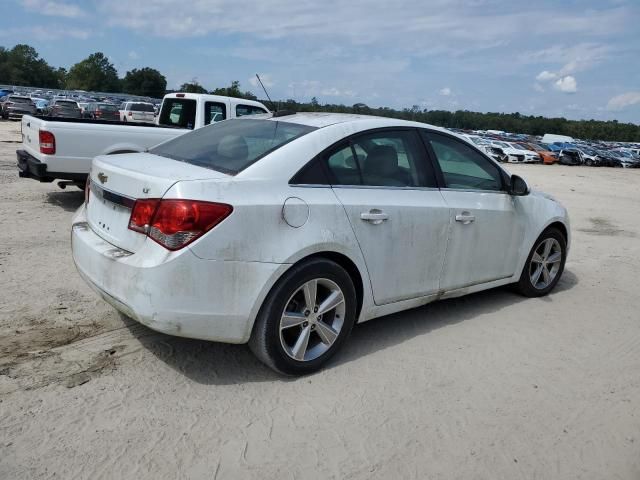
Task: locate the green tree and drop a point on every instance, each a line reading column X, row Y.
column 192, row 87
column 22, row 66
column 146, row 82
column 95, row 73
column 234, row 91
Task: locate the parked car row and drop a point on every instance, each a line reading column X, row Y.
column 550, row 149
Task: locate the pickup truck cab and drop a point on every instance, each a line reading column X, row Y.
column 61, row 148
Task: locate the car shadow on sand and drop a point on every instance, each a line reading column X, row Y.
column 69, row 200
column 211, row 363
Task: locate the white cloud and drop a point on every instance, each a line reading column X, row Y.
column 566, row 84
column 51, row 32
column 53, row 8
column 336, row 92
column 266, row 80
column 133, row 55
column 445, row 92
column 545, row 76
column 624, row 100
column 538, row 88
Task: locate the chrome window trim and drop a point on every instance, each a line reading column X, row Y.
column 473, row 190
column 112, row 197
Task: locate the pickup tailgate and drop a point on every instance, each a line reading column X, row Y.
column 30, row 135
column 117, row 181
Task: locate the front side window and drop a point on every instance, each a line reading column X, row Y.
column 462, row 166
column 214, row 112
column 242, row 110
column 386, row 158
column 231, row 146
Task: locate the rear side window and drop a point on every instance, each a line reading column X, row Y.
column 231, row 146
column 385, row 159
column 178, row 112
column 214, row 112
column 462, row 166
column 242, row 110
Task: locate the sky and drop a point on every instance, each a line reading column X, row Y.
column 575, row 58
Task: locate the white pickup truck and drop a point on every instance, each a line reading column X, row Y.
column 58, row 148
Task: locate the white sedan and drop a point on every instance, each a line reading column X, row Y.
column 285, row 230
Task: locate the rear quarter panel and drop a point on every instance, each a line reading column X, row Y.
column 257, row 230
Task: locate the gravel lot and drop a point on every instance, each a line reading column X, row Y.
column 490, row 386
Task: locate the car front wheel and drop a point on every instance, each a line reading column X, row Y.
column 544, row 265
column 306, row 318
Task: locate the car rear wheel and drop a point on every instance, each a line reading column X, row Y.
column 306, row 318
column 544, row 265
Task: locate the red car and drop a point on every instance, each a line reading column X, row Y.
column 102, row 111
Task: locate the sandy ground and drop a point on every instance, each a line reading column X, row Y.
column 491, row 386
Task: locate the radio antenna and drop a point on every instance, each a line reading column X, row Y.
column 267, row 94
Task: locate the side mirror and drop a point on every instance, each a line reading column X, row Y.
column 518, row 186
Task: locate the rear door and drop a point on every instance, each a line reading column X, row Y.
column 486, row 225
column 398, row 215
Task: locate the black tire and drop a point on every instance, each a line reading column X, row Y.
column 525, row 285
column 265, row 340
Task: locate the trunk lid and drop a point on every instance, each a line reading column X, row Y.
column 117, row 181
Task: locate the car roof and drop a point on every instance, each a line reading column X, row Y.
column 324, row 119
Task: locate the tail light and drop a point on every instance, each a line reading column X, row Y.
column 98, row 113
column 87, row 189
column 130, row 113
column 176, row 223
column 47, row 142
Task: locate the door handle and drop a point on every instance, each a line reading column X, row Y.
column 374, row 216
column 465, row 218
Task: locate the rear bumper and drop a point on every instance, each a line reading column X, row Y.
column 31, row 167
column 175, row 293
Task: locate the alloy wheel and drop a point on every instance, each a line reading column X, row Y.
column 312, row 319
column 545, row 263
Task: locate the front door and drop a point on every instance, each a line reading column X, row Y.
column 486, row 227
column 399, row 217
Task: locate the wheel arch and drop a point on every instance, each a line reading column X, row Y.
column 357, row 277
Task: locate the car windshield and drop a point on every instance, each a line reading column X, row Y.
column 232, row 145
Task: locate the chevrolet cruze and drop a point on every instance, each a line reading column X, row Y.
column 285, row 230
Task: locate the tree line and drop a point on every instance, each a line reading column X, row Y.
column 22, row 66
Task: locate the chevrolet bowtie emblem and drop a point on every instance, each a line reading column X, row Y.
column 102, row 177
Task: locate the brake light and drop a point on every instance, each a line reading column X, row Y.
column 180, row 95
column 130, row 113
column 142, row 214
column 98, row 113
column 87, row 189
column 47, row 142
column 176, row 223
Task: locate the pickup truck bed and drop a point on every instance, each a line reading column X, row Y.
column 77, row 139
column 63, row 148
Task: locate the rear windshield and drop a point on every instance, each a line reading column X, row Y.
column 108, row 108
column 19, row 100
column 178, row 112
column 141, row 107
column 67, row 104
column 232, row 145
